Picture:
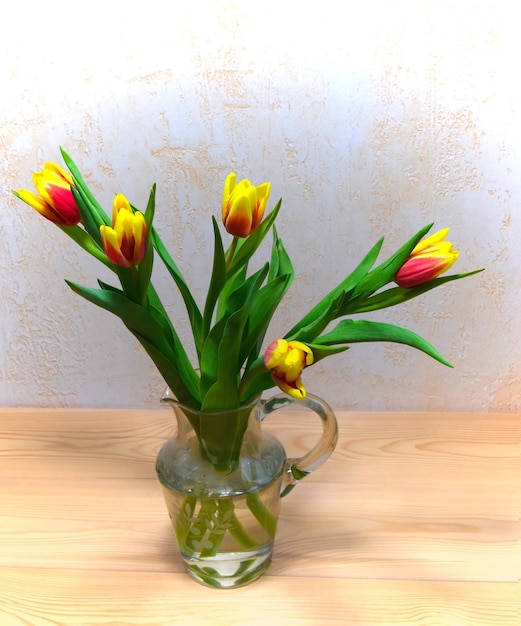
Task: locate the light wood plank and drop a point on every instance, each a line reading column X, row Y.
column 414, row 520
column 77, row 598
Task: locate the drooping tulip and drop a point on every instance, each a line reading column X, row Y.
column 125, row 241
column 55, row 200
column 243, row 205
column 430, row 258
column 286, row 360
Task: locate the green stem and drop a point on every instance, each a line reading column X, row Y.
column 216, row 534
column 239, row 533
column 256, row 370
column 231, row 252
column 190, row 531
column 197, row 529
column 262, row 514
column 129, row 279
column 183, row 521
column 227, row 521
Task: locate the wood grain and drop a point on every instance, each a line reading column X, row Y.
column 414, row 520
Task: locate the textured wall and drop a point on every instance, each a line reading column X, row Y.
column 369, row 123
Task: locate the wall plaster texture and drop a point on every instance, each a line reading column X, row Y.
column 368, row 121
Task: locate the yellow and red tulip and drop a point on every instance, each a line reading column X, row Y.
column 286, row 360
column 243, row 205
column 430, row 258
column 55, row 200
column 125, row 241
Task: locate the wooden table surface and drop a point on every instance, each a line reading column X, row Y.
column 415, row 519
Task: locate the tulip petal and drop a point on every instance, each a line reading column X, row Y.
column 112, row 246
column 295, row 390
column 420, row 270
column 55, row 201
column 140, row 231
column 430, row 241
column 54, row 170
column 125, row 241
column 120, row 203
column 38, row 203
column 243, row 205
column 229, row 186
column 274, row 353
column 239, row 219
column 287, row 359
column 62, row 200
column 430, row 258
column 263, row 192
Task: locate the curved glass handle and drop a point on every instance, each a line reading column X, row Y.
column 299, row 468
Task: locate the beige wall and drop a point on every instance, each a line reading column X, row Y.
column 371, row 122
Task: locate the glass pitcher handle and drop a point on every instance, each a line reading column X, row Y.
column 299, row 468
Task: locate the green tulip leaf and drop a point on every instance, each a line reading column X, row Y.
column 186, row 394
column 230, row 286
column 355, row 331
column 264, row 305
column 83, row 239
column 150, row 210
column 385, row 272
column 280, row 262
column 322, row 351
column 221, row 351
column 89, row 216
column 150, row 325
column 346, row 287
column 397, row 295
column 217, row 280
column 194, row 314
column 92, row 214
column 318, row 324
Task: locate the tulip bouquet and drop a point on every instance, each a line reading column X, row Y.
column 233, row 365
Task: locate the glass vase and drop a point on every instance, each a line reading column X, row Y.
column 223, row 477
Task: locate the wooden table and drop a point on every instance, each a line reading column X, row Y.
column 414, row 520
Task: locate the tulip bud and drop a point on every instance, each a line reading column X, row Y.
column 430, row 258
column 55, row 202
column 124, row 243
column 243, row 205
column 287, row 359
